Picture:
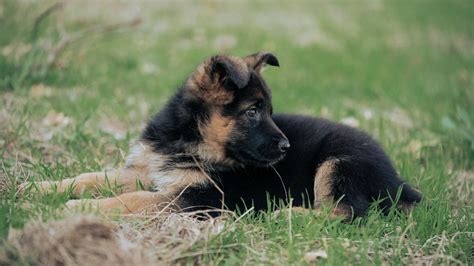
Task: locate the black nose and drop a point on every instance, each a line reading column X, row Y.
column 284, row 145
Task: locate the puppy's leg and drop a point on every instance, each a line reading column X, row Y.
column 329, row 189
column 126, row 180
column 353, row 183
column 325, row 193
column 128, row 203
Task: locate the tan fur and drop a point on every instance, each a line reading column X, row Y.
column 216, row 133
column 151, row 163
column 185, row 178
column 142, row 158
column 165, row 199
column 140, row 163
column 254, row 61
column 128, row 203
column 203, row 86
column 143, row 166
column 126, row 180
column 323, row 183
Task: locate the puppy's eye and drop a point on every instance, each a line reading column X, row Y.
column 251, row 112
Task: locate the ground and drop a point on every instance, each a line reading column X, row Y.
column 401, row 70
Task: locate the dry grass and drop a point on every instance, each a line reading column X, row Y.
column 90, row 240
column 82, row 240
column 4, row 186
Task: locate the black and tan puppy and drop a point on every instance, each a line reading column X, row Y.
column 217, row 143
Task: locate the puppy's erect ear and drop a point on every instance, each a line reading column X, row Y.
column 258, row 60
column 229, row 72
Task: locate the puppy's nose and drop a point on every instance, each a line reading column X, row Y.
column 284, row 145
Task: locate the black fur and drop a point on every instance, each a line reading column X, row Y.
column 176, row 126
column 363, row 172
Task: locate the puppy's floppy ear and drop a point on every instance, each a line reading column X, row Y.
column 217, row 78
column 258, row 60
column 229, row 72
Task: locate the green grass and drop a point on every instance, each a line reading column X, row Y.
column 404, row 70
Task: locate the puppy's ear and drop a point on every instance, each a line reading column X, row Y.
column 217, row 78
column 228, row 72
column 258, row 60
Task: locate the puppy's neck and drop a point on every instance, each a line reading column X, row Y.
column 167, row 172
column 175, row 127
column 188, row 132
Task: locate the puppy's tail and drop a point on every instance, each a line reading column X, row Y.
column 410, row 195
column 405, row 196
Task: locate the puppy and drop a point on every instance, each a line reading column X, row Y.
column 217, row 144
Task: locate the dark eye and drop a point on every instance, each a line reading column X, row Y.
column 251, row 112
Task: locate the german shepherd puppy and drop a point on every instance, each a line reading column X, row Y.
column 218, row 144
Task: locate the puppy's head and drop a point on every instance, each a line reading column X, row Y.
column 238, row 126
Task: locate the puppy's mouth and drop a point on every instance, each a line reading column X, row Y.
column 257, row 159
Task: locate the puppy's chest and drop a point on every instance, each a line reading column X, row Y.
column 160, row 171
column 172, row 180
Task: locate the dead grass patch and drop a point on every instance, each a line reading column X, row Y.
column 89, row 240
column 82, row 240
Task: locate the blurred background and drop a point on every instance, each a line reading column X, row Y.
column 79, row 75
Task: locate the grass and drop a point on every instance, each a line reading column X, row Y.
column 401, row 70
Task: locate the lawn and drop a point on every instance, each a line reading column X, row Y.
column 401, row 70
